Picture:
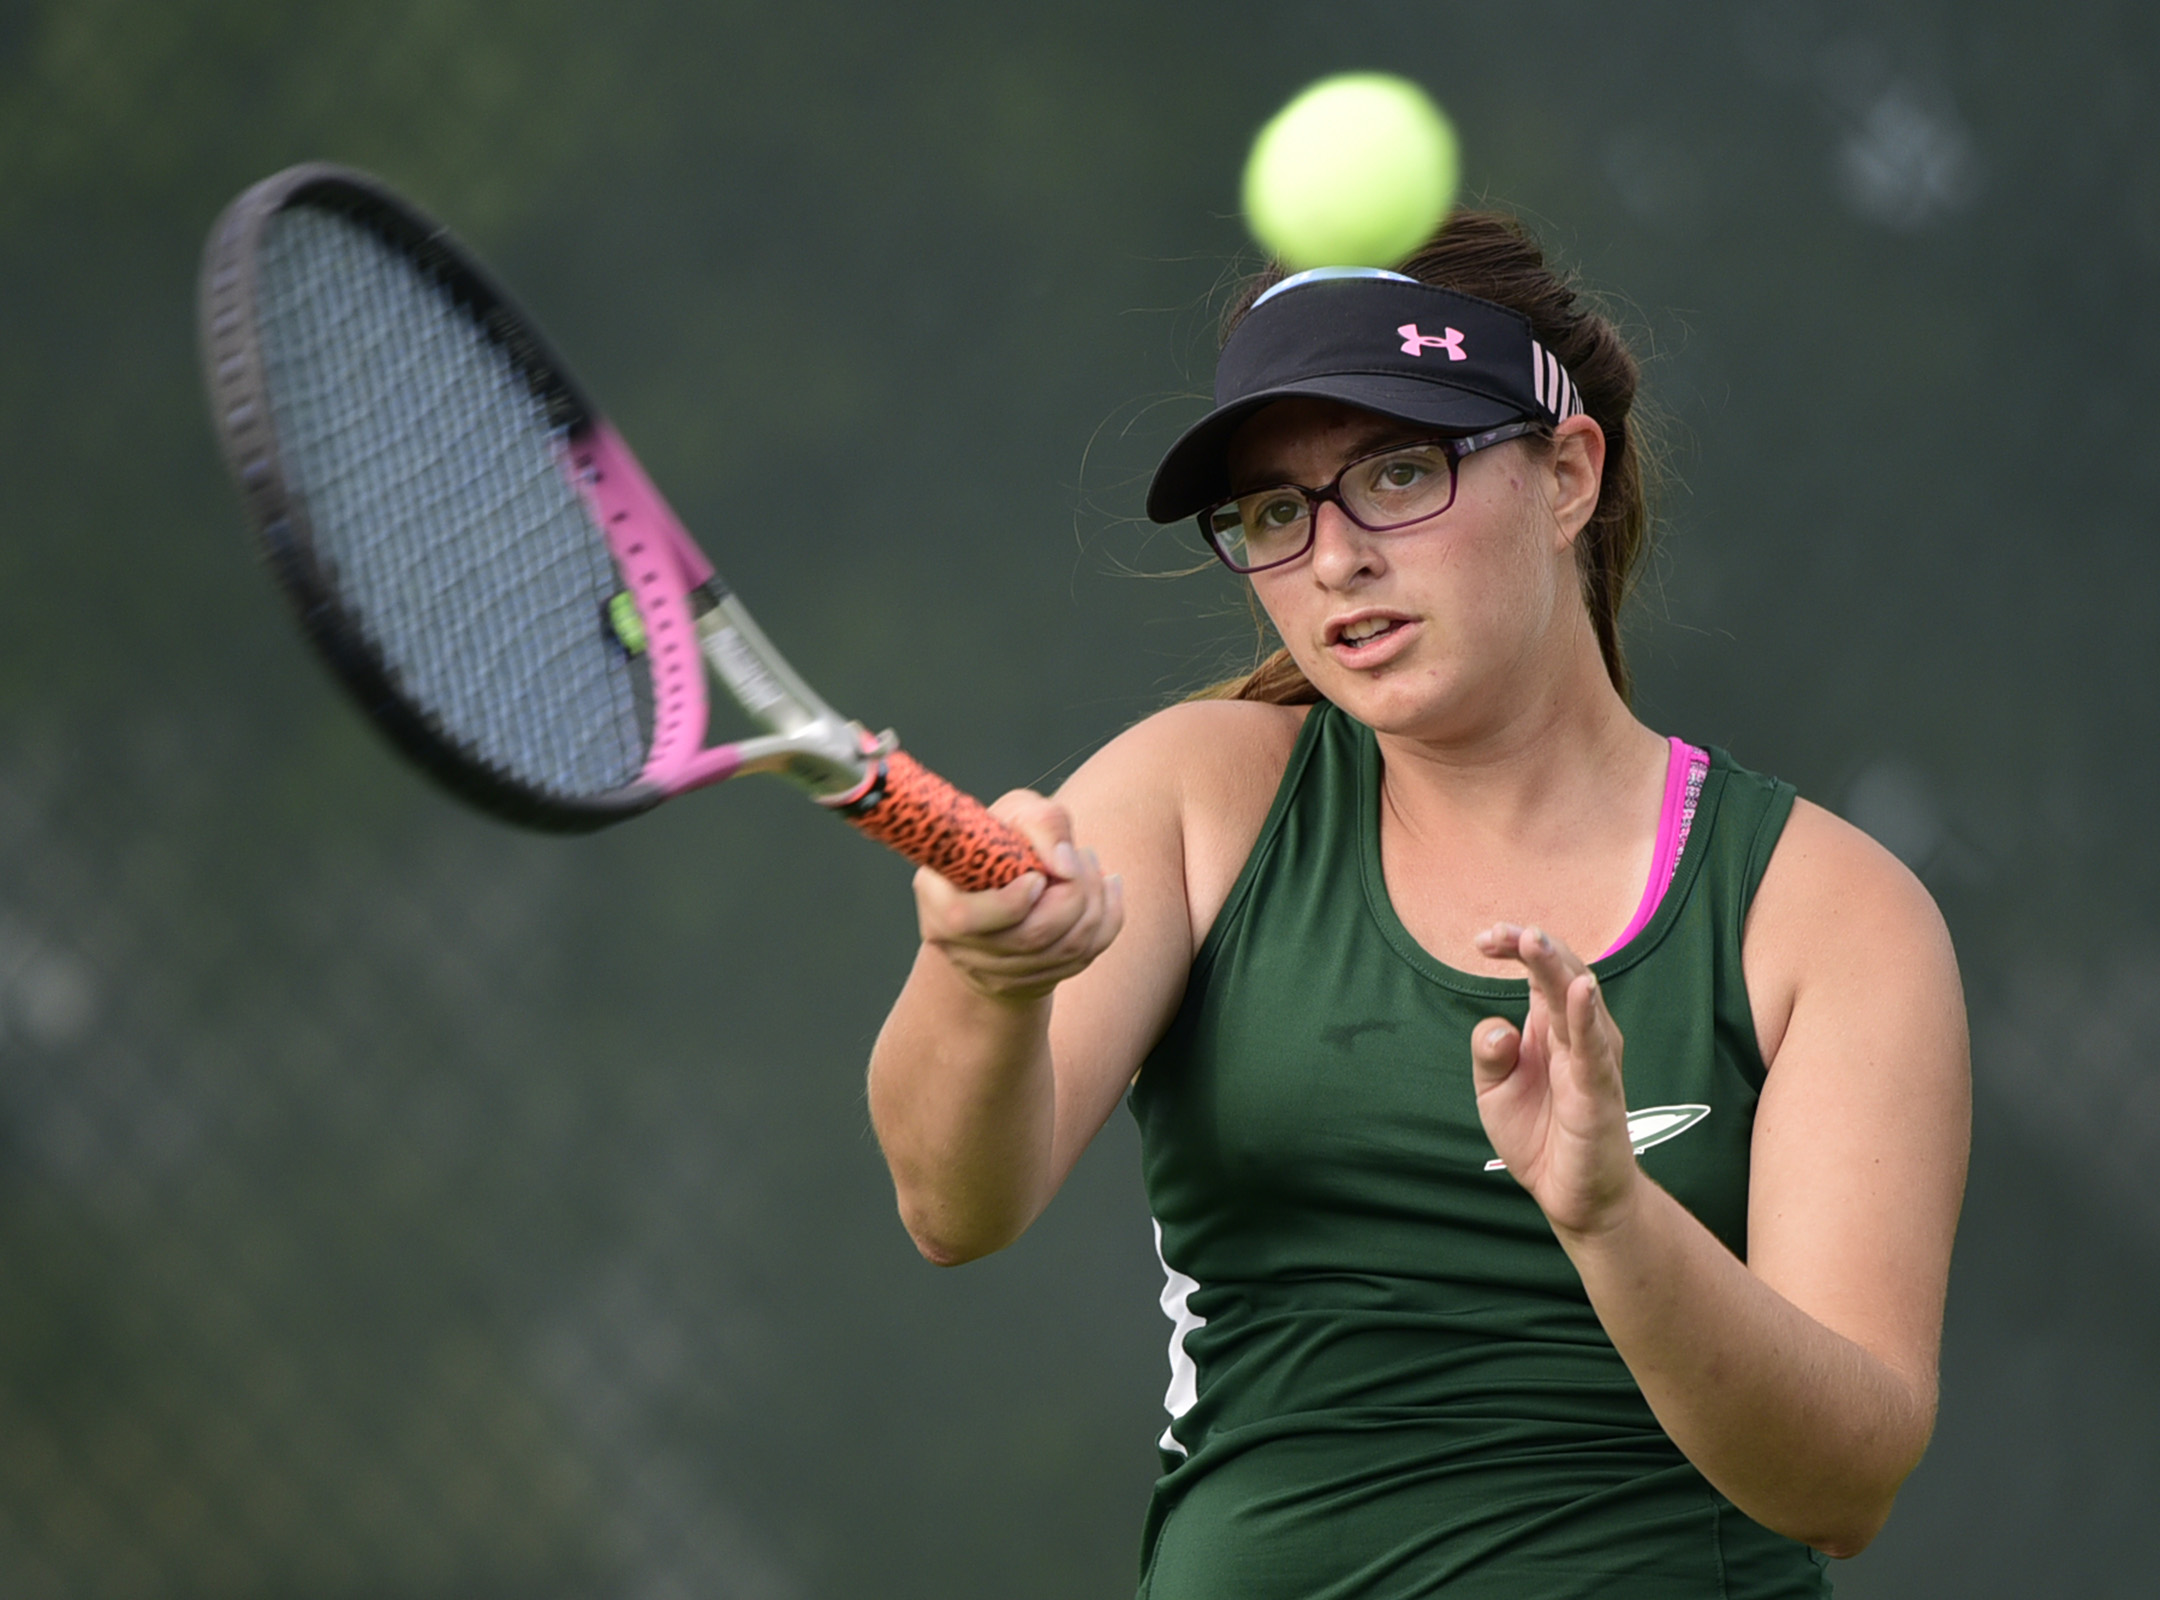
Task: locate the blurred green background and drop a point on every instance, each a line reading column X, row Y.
column 391, row 1204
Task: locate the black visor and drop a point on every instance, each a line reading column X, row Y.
column 1374, row 340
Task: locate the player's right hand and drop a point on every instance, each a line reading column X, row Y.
column 1018, row 942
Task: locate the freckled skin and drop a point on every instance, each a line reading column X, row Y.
column 1483, row 584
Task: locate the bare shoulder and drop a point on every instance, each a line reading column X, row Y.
column 1193, row 782
column 1204, row 741
column 1161, row 805
column 1838, row 912
column 1857, row 1164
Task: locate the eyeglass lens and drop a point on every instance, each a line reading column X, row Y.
column 1391, row 489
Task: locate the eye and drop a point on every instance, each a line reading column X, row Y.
column 1407, row 468
column 1274, row 511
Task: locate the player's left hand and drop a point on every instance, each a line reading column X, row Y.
column 1549, row 1093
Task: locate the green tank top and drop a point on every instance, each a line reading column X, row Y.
column 1387, row 1378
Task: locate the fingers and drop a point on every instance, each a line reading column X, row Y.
column 1552, row 968
column 1021, row 940
column 1567, row 1005
column 1586, row 1015
column 1044, row 824
column 950, row 913
column 1538, row 951
column 1550, row 1093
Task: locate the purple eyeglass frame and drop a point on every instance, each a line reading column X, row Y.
column 1331, row 492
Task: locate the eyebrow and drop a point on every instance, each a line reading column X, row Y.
column 1383, row 432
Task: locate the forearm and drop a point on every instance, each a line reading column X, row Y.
column 1800, row 1427
column 963, row 1099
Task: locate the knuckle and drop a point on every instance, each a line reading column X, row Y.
column 1019, row 806
column 1043, row 822
column 1045, row 935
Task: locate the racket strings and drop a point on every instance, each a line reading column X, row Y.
column 437, row 501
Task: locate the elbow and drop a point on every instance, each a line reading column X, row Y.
column 955, row 1215
column 1844, row 1501
column 1840, row 1522
column 940, row 1251
column 940, row 1254
column 944, row 1241
column 1843, row 1518
column 1841, row 1538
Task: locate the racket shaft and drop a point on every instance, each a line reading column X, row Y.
column 935, row 825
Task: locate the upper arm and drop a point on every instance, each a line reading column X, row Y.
column 1863, row 1127
column 1172, row 805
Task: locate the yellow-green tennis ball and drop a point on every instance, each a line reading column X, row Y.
column 624, row 618
column 1357, row 171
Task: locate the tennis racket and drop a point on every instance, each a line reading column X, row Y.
column 479, row 557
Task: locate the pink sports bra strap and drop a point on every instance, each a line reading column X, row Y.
column 1684, row 772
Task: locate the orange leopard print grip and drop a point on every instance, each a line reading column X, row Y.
column 914, row 811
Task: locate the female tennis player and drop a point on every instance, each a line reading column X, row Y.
column 1554, row 1131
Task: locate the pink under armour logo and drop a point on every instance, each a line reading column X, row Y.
column 1415, row 343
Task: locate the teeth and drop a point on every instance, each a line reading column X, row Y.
column 1359, row 632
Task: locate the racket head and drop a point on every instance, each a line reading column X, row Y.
column 401, row 435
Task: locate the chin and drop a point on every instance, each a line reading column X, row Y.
column 1440, row 703
column 1396, row 703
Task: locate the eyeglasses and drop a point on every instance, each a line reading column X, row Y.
column 1388, row 489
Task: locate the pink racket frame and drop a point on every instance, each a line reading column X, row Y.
column 876, row 786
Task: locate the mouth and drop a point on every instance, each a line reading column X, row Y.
column 1367, row 638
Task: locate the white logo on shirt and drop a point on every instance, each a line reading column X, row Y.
column 1649, row 1126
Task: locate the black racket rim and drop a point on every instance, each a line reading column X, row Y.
column 236, row 380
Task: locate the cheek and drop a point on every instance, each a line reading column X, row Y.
column 1277, row 599
column 1505, row 557
column 1525, row 527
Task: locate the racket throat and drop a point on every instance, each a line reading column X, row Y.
column 834, row 767
column 756, row 674
column 806, row 741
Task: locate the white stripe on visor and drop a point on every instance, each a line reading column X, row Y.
column 1317, row 274
column 1555, row 390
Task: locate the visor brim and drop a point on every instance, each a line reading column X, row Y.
column 1194, row 473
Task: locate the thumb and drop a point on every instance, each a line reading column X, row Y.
column 1495, row 1048
column 1045, row 824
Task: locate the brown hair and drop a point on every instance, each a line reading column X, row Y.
column 1494, row 257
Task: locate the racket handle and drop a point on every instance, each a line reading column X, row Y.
column 911, row 809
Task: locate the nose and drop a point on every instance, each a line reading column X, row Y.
column 1342, row 552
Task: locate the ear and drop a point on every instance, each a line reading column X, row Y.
column 1575, row 470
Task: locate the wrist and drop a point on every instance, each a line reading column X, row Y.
column 1604, row 1222
column 995, row 999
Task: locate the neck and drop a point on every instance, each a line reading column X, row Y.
column 1542, row 754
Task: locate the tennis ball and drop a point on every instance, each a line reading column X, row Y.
column 623, row 617
column 1357, row 171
